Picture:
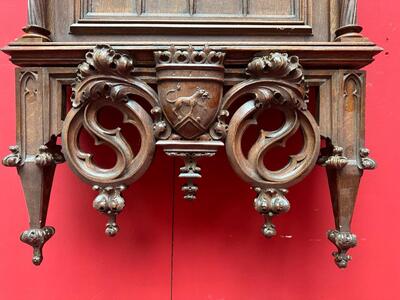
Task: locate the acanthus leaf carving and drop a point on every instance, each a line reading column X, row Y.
column 14, row 159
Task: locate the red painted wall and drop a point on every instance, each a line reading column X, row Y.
column 218, row 252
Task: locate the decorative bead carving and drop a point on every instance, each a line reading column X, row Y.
column 37, row 237
column 343, row 241
column 110, row 203
column 14, row 159
column 367, row 163
column 189, row 56
column 190, row 172
column 190, row 152
column 336, row 160
column 270, row 203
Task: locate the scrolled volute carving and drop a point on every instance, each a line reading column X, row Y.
column 277, row 66
column 284, row 94
column 105, row 80
column 14, row 159
column 343, row 241
column 276, row 81
column 36, row 238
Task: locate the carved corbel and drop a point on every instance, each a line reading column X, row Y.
column 105, row 80
column 276, row 81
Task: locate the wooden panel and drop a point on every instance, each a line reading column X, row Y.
column 273, row 7
column 111, row 6
column 166, row 7
column 194, row 17
column 232, row 7
column 246, row 10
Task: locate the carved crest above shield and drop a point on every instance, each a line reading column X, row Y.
column 190, row 86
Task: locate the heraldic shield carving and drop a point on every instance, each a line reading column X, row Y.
column 189, row 117
column 190, row 85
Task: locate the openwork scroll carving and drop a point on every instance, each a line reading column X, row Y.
column 190, row 118
column 104, row 80
column 276, row 81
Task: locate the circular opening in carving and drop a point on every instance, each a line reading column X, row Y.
column 278, row 157
column 102, row 155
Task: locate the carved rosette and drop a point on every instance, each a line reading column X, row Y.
column 36, row 238
column 343, row 241
column 105, row 80
column 276, row 81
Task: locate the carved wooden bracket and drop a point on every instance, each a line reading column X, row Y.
column 191, row 119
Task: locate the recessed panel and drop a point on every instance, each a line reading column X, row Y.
column 112, row 6
column 166, row 7
column 218, row 7
column 271, row 7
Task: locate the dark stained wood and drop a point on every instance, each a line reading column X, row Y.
column 217, row 66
